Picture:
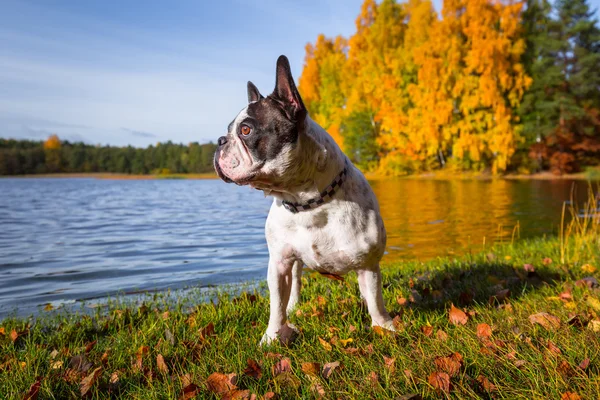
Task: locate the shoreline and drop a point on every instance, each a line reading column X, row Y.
column 546, row 175
column 112, row 176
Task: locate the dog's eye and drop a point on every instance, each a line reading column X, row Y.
column 245, row 129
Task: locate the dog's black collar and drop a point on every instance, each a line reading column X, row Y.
column 325, row 195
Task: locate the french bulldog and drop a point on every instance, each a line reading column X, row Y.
column 324, row 214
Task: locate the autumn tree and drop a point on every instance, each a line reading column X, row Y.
column 561, row 109
column 52, row 148
column 321, row 83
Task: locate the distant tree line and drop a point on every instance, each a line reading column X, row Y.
column 18, row 157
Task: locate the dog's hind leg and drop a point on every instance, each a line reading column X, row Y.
column 296, row 286
column 369, row 282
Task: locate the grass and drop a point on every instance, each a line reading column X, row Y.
column 184, row 349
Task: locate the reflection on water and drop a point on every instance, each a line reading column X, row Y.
column 429, row 218
column 70, row 239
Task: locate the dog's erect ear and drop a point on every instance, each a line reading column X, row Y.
column 253, row 93
column 286, row 91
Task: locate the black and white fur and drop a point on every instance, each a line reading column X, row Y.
column 290, row 157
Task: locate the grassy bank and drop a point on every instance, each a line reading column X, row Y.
column 500, row 347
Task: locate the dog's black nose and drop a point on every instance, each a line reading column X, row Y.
column 222, row 140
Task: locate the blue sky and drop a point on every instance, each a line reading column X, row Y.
column 139, row 72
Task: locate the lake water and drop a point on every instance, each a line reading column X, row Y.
column 84, row 239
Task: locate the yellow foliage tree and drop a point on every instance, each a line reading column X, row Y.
column 416, row 90
column 52, row 154
column 321, row 83
column 52, row 143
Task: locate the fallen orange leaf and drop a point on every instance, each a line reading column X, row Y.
column 162, row 366
column 253, row 369
column 221, row 383
column 546, row 320
column 34, row 390
column 441, row 335
column 450, row 364
column 87, row 382
column 311, row 368
column 440, row 381
column 457, row 316
column 427, row 330
column 325, row 344
column 486, row 384
column 484, row 331
column 329, row 368
column 284, row 365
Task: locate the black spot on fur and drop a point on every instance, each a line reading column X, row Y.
column 271, row 129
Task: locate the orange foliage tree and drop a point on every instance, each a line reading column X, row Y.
column 418, row 90
column 52, row 153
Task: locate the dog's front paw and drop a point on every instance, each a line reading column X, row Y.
column 268, row 339
column 389, row 325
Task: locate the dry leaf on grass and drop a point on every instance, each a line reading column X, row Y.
column 207, row 331
column 594, row 303
column 190, row 391
column 162, row 366
column 450, row 364
column 588, row 282
column 594, row 325
column 390, row 364
column 381, row 331
column 317, row 388
column 457, row 316
column 553, row 349
column 253, row 369
column 221, row 383
column 90, row 346
column 139, row 354
column 546, row 320
column 564, row 368
column 566, row 295
column 588, row 268
column 484, row 331
column 329, row 368
column 373, row 378
column 486, row 384
column 34, row 390
column 284, row 365
column 427, row 330
column 287, row 335
column 311, row 369
column 79, row 363
column 325, row 344
column 440, row 381
column 86, row 384
column 441, row 335
column 56, row 364
column 570, row 396
column 584, row 364
column 520, row 363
